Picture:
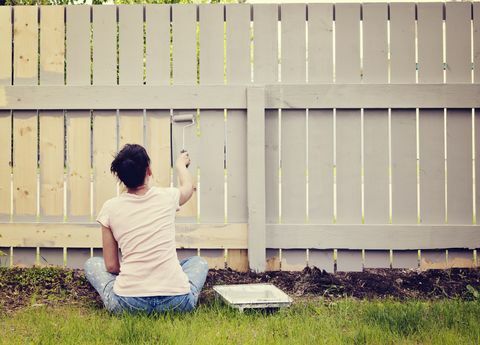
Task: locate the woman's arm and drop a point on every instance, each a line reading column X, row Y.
column 184, row 178
column 110, row 251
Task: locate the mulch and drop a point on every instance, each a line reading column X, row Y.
column 38, row 286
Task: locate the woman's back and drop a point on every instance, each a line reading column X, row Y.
column 144, row 227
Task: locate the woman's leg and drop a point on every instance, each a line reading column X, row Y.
column 196, row 269
column 96, row 273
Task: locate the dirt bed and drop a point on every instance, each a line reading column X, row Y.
column 20, row 287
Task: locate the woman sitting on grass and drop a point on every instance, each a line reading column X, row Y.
column 141, row 221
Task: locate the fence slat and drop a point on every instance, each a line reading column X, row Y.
column 5, row 116
column 265, row 70
column 78, row 121
column 52, row 58
column 320, row 122
column 476, row 79
column 130, row 27
column 293, row 129
column 185, row 72
column 238, row 72
column 212, row 122
column 104, row 122
column 459, row 121
column 430, row 70
column 403, row 122
column 348, row 130
column 158, row 73
column 25, row 131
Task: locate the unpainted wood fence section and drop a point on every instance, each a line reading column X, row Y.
column 339, row 136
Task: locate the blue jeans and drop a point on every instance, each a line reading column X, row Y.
column 195, row 267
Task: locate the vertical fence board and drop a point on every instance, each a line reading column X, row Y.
column 375, row 70
column 104, row 122
column 78, row 122
column 320, row 122
column 293, row 136
column 185, row 72
column 265, row 70
column 214, row 257
column 158, row 73
column 76, row 257
column 433, row 259
column 51, row 257
column 376, row 137
column 460, row 258
column 476, row 79
column 405, row 259
column 52, row 58
column 25, row 129
column 238, row 72
column 431, row 130
column 130, row 26
column 403, row 122
column 24, row 256
column 348, row 130
column 459, row 121
column 212, row 122
column 5, row 116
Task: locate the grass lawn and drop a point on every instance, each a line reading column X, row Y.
column 315, row 321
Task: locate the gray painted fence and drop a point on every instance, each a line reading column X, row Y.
column 340, row 136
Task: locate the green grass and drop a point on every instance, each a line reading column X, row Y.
column 344, row 321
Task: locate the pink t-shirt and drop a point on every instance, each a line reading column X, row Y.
column 144, row 227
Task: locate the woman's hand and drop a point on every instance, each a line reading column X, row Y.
column 183, row 160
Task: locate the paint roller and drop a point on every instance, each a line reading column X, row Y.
column 180, row 119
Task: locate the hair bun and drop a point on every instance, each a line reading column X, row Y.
column 128, row 164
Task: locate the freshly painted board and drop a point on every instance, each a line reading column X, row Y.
column 293, row 129
column 376, row 139
column 25, row 129
column 52, row 59
column 158, row 73
column 348, row 129
column 320, row 122
column 265, row 70
column 322, row 259
column 5, row 116
column 104, row 122
column 403, row 127
column 238, row 71
column 476, row 79
column 431, row 122
column 185, row 73
column 79, row 121
column 212, row 122
column 459, row 121
column 130, row 58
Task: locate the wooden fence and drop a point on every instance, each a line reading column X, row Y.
column 339, row 136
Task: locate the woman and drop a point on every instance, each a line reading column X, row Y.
column 141, row 222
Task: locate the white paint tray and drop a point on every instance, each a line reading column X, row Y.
column 249, row 296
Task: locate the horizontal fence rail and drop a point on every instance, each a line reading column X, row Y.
column 328, row 96
column 342, row 136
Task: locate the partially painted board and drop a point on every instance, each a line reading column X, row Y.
column 157, row 62
column 184, row 57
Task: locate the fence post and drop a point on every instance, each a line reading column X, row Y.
column 256, row 177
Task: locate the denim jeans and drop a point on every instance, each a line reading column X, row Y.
column 195, row 267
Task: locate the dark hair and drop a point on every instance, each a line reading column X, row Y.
column 130, row 165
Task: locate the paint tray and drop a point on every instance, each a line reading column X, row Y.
column 253, row 296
